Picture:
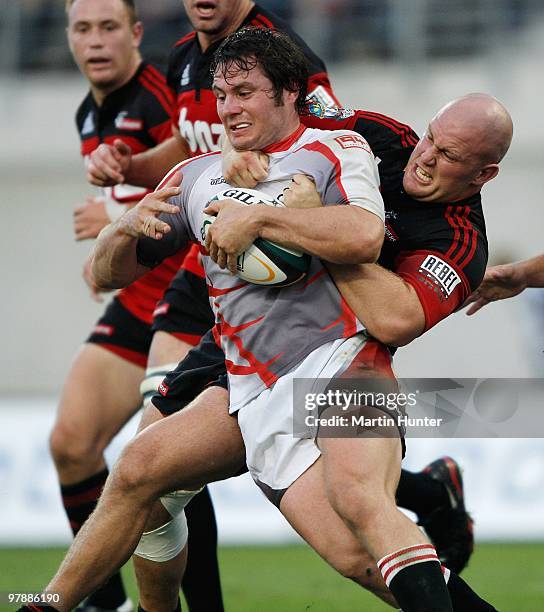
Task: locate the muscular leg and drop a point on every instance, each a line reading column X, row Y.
column 100, row 394
column 361, row 476
column 159, row 582
column 166, row 348
column 200, row 444
column 327, row 534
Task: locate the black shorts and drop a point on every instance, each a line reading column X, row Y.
column 120, row 332
column 204, row 366
column 185, row 310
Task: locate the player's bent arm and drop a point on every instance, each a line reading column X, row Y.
column 115, row 259
column 115, row 264
column 147, row 169
column 388, row 306
column 337, row 234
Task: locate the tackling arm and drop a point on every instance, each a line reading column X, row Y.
column 337, row 234
column 387, row 305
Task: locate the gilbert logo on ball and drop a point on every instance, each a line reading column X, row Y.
column 264, row 262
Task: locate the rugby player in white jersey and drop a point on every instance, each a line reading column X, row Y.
column 348, row 483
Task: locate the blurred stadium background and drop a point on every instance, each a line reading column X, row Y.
column 405, row 58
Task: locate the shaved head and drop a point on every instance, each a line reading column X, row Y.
column 460, row 151
column 489, row 121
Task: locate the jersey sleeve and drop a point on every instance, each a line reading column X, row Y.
column 353, row 178
column 441, row 280
column 160, row 109
column 150, row 252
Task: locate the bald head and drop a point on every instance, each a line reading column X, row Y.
column 487, row 119
column 460, row 151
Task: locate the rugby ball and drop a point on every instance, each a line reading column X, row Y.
column 264, row 262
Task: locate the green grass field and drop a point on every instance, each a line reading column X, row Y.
column 294, row 579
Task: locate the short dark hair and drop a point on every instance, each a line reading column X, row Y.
column 280, row 59
column 130, row 5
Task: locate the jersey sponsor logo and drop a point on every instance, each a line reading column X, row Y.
column 185, row 76
column 322, row 112
column 351, row 141
column 218, row 181
column 202, row 136
column 321, row 96
column 163, row 388
column 88, row 124
column 103, row 330
column 122, row 122
column 441, row 273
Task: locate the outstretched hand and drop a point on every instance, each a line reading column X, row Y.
column 142, row 220
column 499, row 283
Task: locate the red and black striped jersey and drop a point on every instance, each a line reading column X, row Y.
column 196, row 111
column 140, row 114
column 439, row 248
column 189, row 78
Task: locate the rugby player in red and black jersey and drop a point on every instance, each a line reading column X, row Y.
column 128, row 100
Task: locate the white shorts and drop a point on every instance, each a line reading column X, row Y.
column 275, row 456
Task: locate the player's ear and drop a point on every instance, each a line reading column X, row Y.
column 486, row 174
column 138, row 32
column 290, row 97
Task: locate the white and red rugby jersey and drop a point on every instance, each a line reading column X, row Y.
column 265, row 332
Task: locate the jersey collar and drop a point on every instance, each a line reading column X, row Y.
column 286, row 143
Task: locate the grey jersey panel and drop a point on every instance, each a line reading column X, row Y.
column 265, row 332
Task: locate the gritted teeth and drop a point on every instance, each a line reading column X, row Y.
column 239, row 126
column 424, row 176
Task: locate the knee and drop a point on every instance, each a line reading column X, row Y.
column 69, row 447
column 131, row 474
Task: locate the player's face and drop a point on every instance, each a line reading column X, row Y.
column 103, row 42
column 250, row 114
column 445, row 165
column 216, row 17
